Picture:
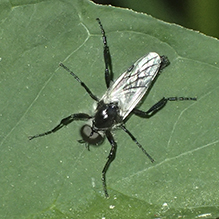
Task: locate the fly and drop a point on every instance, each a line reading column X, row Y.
column 120, row 100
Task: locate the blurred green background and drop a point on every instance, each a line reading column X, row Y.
column 200, row 15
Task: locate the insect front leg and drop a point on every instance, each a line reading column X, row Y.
column 64, row 122
column 159, row 105
column 110, row 157
column 107, row 57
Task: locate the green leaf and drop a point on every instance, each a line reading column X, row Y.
column 55, row 176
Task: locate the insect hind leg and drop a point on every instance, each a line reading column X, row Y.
column 64, row 122
column 107, row 57
column 159, row 105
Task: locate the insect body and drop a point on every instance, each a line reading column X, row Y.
column 132, row 85
column 120, row 99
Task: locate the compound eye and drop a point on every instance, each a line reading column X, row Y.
column 90, row 136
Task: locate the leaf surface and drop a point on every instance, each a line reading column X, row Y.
column 55, row 176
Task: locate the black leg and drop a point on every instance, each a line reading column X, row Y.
column 64, row 122
column 82, row 83
column 135, row 140
column 107, row 57
column 159, row 105
column 110, row 157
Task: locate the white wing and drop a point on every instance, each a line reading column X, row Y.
column 132, row 85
